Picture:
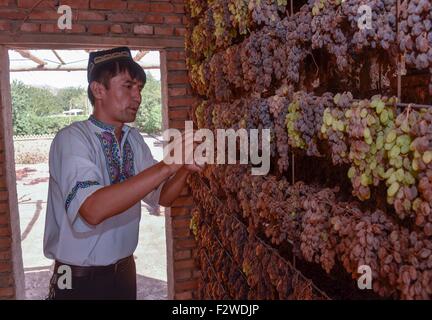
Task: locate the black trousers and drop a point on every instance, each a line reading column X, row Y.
column 115, row 282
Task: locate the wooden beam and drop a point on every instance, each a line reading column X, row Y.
column 28, row 55
column 63, row 68
column 72, row 41
column 140, row 55
column 58, row 57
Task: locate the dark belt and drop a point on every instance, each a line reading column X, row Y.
column 91, row 271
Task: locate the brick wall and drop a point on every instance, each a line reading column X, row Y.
column 157, row 25
column 96, row 17
column 6, row 274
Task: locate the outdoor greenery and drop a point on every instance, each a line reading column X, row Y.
column 149, row 117
column 39, row 110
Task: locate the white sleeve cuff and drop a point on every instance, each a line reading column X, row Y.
column 79, row 193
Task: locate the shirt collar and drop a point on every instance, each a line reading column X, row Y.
column 106, row 126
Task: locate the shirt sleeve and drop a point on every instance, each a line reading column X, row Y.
column 152, row 199
column 76, row 174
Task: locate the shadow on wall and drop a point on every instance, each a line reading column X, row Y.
column 37, row 283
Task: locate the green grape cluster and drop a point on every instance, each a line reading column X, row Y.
column 319, row 5
column 193, row 225
column 367, row 122
column 196, row 7
column 224, row 32
column 199, row 76
column 203, row 114
column 400, row 176
column 294, row 136
column 240, row 13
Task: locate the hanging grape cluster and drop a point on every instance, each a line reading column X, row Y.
column 256, row 65
column 415, row 34
column 323, row 230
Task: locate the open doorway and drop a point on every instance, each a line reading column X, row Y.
column 48, row 89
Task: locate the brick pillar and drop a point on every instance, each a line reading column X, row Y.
column 11, row 266
column 182, row 272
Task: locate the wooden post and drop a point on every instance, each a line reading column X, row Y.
column 9, row 165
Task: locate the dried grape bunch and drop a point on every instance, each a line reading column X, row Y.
column 259, row 118
column 199, row 114
column 382, row 30
column 295, row 35
column 202, row 38
column 400, row 259
column 278, row 107
column 262, row 269
column 195, row 8
column 317, row 244
column 218, row 85
column 415, row 34
column 257, row 65
column 203, row 114
column 278, row 211
column 224, row 32
column 420, row 125
column 229, row 115
column 265, row 12
column 414, row 279
column 333, row 128
column 228, row 273
column 199, row 76
column 232, row 67
column 304, row 120
column 240, row 18
column 361, row 235
column 327, row 32
column 248, row 198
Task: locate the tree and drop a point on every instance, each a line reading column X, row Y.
column 20, row 107
column 149, row 117
column 73, row 98
column 43, row 101
column 31, row 106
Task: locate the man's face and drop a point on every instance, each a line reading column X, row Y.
column 123, row 98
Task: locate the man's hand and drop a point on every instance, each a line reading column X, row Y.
column 184, row 166
column 194, row 167
column 187, row 145
column 115, row 199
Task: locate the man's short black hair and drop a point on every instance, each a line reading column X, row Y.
column 109, row 70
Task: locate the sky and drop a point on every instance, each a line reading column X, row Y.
column 62, row 79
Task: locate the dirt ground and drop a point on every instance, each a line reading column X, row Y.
column 32, row 188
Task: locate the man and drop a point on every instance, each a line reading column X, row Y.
column 100, row 170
